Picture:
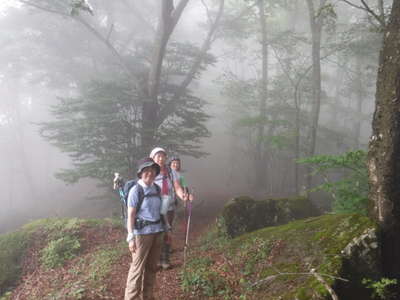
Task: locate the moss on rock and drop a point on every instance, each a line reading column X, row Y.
column 244, row 214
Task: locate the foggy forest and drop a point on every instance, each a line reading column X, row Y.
column 280, row 111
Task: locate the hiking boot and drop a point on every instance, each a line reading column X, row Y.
column 165, row 265
column 165, row 257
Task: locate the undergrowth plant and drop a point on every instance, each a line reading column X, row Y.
column 60, row 250
column 381, row 289
column 216, row 237
column 12, row 247
column 103, row 260
column 198, row 278
column 350, row 191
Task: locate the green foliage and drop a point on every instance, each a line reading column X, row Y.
column 12, row 247
column 199, row 279
column 60, row 250
column 6, row 296
column 215, row 237
column 382, row 288
column 80, row 5
column 100, row 129
column 350, row 192
column 103, row 260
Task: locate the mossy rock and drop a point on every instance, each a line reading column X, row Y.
column 244, row 214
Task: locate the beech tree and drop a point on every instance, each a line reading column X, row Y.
column 161, row 110
column 384, row 147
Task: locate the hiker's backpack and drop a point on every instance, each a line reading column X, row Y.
column 129, row 185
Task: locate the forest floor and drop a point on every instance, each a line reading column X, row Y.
column 70, row 281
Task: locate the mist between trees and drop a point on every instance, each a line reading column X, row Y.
column 240, row 89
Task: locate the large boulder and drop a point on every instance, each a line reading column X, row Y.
column 361, row 260
column 244, row 214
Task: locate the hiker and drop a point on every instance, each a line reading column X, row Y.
column 144, row 232
column 168, row 181
column 176, row 165
column 118, row 185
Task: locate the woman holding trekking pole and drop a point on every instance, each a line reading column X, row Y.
column 168, row 181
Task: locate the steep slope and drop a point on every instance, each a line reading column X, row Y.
column 283, row 262
column 88, row 259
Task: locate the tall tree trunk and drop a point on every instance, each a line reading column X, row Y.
column 316, row 30
column 384, row 147
column 296, row 97
column 360, row 99
column 260, row 161
column 169, row 17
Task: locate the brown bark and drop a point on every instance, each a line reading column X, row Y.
column 384, row 147
column 260, row 161
column 168, row 19
column 360, row 99
column 316, row 32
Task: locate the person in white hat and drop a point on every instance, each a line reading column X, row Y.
column 168, row 181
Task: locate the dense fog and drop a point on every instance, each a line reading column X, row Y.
column 245, row 117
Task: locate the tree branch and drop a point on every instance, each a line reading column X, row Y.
column 92, row 30
column 135, row 11
column 318, row 276
column 366, row 8
column 325, row 284
column 110, row 32
column 57, row 12
column 177, row 12
column 107, row 43
column 170, row 106
column 207, row 11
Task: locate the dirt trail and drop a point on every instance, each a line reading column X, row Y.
column 41, row 282
column 168, row 281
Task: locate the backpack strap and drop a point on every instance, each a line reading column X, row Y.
column 169, row 174
column 142, row 195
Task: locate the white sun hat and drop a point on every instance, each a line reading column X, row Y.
column 156, row 150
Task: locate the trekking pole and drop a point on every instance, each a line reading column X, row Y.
column 185, row 249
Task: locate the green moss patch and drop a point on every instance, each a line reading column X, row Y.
column 275, row 262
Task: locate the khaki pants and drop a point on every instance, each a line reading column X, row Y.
column 142, row 272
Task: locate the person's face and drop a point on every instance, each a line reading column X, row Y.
column 160, row 158
column 176, row 165
column 148, row 175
